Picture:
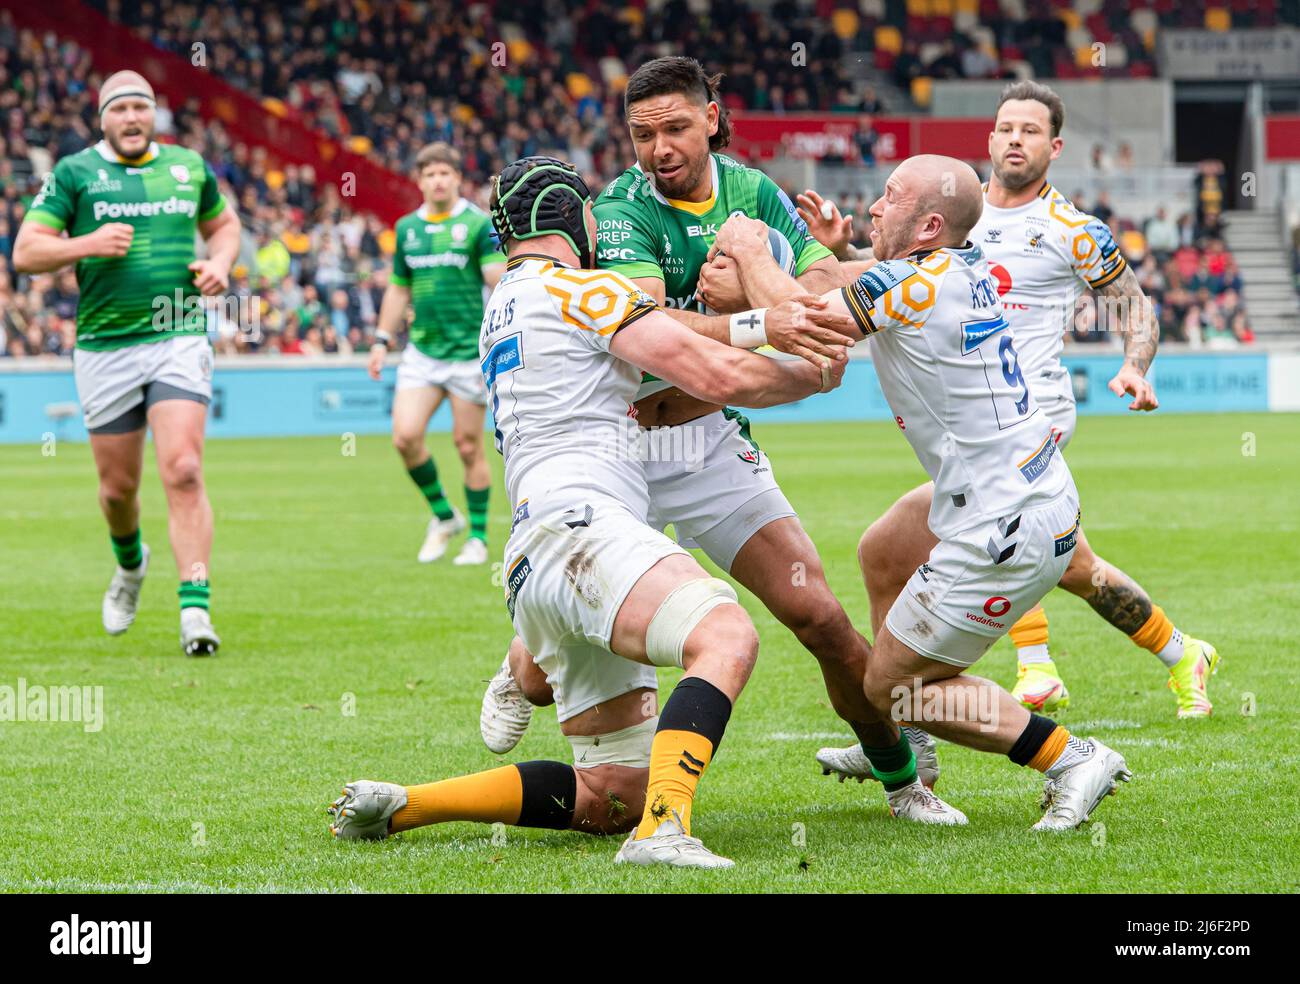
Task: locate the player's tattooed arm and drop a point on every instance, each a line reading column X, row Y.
column 1137, row 321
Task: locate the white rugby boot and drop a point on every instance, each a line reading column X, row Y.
column 363, row 811
column 670, row 845
column 438, row 534
column 123, row 596
column 506, row 713
column 915, row 802
column 474, row 552
column 1070, row 798
column 851, row 762
column 198, row 637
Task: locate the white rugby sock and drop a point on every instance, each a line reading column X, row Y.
column 1029, row 655
column 1173, row 650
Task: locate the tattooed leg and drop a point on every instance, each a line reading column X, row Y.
column 1113, row 595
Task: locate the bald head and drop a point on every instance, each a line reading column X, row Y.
column 947, row 186
column 929, row 202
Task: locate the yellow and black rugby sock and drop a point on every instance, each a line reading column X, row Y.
column 1047, row 747
column 690, row 730
column 531, row 794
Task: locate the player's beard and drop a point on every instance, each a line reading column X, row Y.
column 147, row 129
column 681, row 186
column 1030, row 175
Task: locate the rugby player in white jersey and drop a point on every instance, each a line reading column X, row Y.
column 656, row 223
column 1005, row 509
column 1043, row 252
column 598, row 596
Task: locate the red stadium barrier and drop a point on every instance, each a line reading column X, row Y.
column 371, row 188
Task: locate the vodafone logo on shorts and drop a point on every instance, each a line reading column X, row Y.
column 997, row 606
column 994, row 609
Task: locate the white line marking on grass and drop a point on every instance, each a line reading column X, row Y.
column 1109, row 724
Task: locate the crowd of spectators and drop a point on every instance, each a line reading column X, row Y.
column 547, row 80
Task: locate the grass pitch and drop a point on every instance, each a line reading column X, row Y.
column 213, row 775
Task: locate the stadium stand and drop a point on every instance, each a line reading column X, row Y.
column 503, row 82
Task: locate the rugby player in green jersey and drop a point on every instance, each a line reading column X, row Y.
column 444, row 257
column 656, row 225
column 125, row 211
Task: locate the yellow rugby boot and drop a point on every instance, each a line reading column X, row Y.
column 1040, row 688
column 1189, row 678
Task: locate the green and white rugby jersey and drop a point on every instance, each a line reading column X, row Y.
column 149, row 294
column 441, row 258
column 640, row 233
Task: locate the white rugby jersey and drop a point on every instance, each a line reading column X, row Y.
column 560, row 399
column 948, row 365
column 1042, row 254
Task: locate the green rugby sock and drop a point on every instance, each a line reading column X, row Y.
column 425, row 476
column 478, row 512
column 127, row 550
column 194, row 594
column 895, row 767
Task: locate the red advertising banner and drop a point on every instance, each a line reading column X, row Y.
column 762, row 136
column 1282, row 137
column 366, row 186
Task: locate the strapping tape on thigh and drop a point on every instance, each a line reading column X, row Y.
column 629, row 747
column 683, row 609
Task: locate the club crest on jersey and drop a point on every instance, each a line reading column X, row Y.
column 180, row 172
column 975, row 332
column 459, row 232
column 749, row 456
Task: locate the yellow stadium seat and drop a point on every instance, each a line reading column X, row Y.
column 889, row 39
column 520, row 51
column 1133, row 243
column 1218, row 19
column 922, row 87
column 968, row 6
column 578, row 85
column 941, row 8
column 918, row 8
column 360, row 144
column 633, row 15
column 462, row 113
column 387, row 241
column 1070, row 16
column 844, row 23
column 275, row 107
column 1083, row 56
column 274, row 179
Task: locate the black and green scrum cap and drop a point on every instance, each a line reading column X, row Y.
column 542, row 196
